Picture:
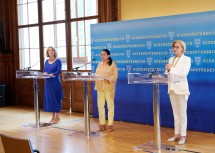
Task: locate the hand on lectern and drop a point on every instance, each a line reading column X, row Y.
column 107, row 79
column 51, row 75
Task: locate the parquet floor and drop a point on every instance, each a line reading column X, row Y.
column 65, row 138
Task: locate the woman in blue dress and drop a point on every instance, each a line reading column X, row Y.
column 53, row 92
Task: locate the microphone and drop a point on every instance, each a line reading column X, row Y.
column 76, row 68
column 28, row 68
column 154, row 72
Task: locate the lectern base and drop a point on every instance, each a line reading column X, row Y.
column 82, row 134
column 34, row 125
column 152, row 148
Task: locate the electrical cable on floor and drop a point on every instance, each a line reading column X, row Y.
column 191, row 151
column 148, row 151
column 66, row 129
column 57, row 127
column 181, row 149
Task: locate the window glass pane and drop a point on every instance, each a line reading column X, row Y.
column 82, row 58
column 48, row 35
column 81, row 33
column 23, row 38
column 60, row 10
column 29, row 1
column 74, row 52
column 61, row 51
column 33, row 13
column 29, row 48
column 54, row 34
column 34, row 59
column 80, row 4
column 83, row 8
column 44, row 51
column 34, row 37
column 24, row 58
column 81, row 37
column 87, row 27
column 91, row 7
column 73, row 9
column 23, row 14
column 81, row 51
column 78, row 60
column 74, row 33
column 79, row 57
column 48, row 14
column 88, row 55
column 75, row 57
column 53, row 10
column 60, row 1
column 61, row 35
column 21, row 1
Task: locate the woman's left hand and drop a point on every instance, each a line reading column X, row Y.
column 51, row 75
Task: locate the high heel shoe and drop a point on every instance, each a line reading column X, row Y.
column 56, row 121
column 51, row 122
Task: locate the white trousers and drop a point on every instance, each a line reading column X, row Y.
column 107, row 96
column 179, row 107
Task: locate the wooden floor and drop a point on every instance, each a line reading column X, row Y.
column 64, row 138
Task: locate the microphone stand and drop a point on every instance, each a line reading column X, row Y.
column 155, row 73
column 76, row 68
column 28, row 68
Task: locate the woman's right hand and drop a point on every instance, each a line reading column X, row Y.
column 168, row 67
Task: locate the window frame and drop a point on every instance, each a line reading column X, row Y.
column 107, row 11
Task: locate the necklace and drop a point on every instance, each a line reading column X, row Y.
column 174, row 63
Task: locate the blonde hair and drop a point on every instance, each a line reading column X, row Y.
column 182, row 43
column 55, row 52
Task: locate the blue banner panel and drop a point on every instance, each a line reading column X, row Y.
column 140, row 46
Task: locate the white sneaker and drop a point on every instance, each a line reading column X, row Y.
column 181, row 141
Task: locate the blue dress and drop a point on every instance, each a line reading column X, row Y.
column 53, row 92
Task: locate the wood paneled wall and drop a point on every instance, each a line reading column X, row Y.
column 8, row 60
column 25, row 92
column 7, row 75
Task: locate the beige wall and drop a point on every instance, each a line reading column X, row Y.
column 136, row 9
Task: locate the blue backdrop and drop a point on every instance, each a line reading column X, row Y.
column 144, row 44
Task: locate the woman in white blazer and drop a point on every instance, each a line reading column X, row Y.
column 178, row 69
